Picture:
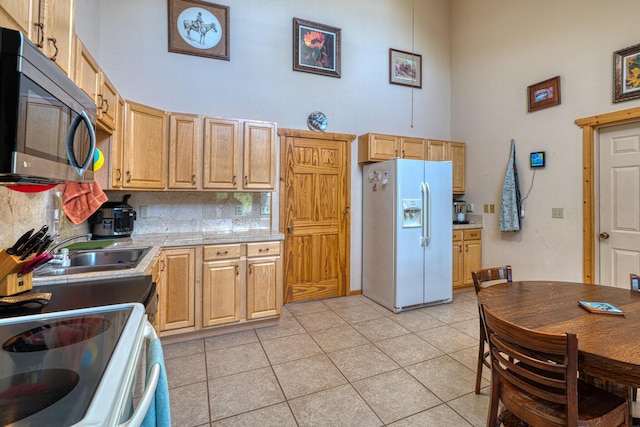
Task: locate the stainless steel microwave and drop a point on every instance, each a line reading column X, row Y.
column 47, row 123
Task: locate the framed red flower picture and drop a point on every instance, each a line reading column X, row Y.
column 316, row 48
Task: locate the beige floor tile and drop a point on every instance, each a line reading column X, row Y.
column 301, row 308
column 448, row 313
column 470, row 327
column 359, row 313
column 306, row 376
column 361, row 362
column 338, row 338
column 441, row 415
column 343, row 302
column 288, row 326
column 448, row 339
column 272, row 416
column 395, row 395
column 187, row 348
column 321, row 320
column 416, row 320
column 445, row 377
column 473, row 407
column 189, row 405
column 293, row 347
column 230, row 340
column 377, row 307
column 244, row 392
column 408, row 349
column 337, row 407
column 232, row 360
column 469, row 358
column 185, row 370
column 380, row 329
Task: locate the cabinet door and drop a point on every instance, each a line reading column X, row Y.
column 264, row 296
column 436, row 150
column 259, row 145
column 382, row 147
column 117, row 147
column 177, row 297
column 456, row 153
column 413, row 148
column 19, row 15
column 221, row 292
column 458, row 259
column 184, row 151
column 220, row 148
column 87, row 73
column 145, row 147
column 59, row 32
column 107, row 104
column 472, row 259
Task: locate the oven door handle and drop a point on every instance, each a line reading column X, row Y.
column 150, row 390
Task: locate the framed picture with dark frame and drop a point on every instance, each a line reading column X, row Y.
column 199, row 28
column 316, row 48
column 544, row 94
column 626, row 74
column 405, row 68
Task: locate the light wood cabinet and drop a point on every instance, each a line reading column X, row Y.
column 467, row 255
column 145, row 147
column 221, row 284
column 19, row 15
column 221, row 148
column 413, row 148
column 438, row 150
column 259, row 147
column 184, row 151
column 177, row 288
column 373, row 147
column 264, row 281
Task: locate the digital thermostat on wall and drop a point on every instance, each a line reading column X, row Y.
column 537, row 159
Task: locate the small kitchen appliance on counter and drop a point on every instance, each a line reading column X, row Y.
column 460, row 212
column 113, row 219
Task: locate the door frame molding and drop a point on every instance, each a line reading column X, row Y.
column 590, row 126
column 347, row 139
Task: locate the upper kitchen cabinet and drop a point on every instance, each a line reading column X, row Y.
column 49, row 24
column 438, row 150
column 90, row 77
column 373, row 147
column 227, row 142
column 185, row 135
column 145, row 147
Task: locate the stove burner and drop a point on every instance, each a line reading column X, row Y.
column 59, row 334
column 27, row 393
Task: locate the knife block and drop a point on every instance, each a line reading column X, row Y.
column 11, row 281
column 16, row 283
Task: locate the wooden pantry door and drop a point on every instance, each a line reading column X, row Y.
column 315, row 197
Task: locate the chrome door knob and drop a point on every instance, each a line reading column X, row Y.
column 604, row 235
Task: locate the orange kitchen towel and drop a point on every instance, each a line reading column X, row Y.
column 79, row 201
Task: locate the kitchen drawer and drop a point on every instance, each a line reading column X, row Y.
column 217, row 252
column 457, row 235
column 474, row 234
column 263, row 249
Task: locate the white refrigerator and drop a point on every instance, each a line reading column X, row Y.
column 407, row 233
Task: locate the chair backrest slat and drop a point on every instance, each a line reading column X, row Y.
column 503, row 274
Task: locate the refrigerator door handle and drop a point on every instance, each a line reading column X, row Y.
column 426, row 214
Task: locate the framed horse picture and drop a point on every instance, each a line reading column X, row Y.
column 199, row 28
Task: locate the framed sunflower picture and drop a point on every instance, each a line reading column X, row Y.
column 626, row 74
column 316, row 48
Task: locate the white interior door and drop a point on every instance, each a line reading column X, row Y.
column 619, row 204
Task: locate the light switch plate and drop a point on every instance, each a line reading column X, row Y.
column 557, row 212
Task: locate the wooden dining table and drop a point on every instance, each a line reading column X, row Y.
column 608, row 344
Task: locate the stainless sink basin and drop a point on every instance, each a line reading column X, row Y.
column 96, row 260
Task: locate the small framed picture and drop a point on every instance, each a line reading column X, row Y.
column 405, row 68
column 626, row 74
column 544, row 94
column 316, row 48
column 199, row 28
column 537, row 159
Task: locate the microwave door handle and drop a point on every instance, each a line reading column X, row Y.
column 82, row 117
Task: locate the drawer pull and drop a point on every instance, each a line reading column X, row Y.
column 222, row 253
column 263, row 250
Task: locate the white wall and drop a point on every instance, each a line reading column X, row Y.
column 499, row 47
column 259, row 83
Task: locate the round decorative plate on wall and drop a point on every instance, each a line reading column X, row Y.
column 317, row 121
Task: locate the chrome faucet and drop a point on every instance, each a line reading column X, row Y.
column 52, row 251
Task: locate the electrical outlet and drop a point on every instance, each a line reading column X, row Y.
column 557, row 212
column 144, row 211
column 469, row 207
column 486, row 208
column 492, row 208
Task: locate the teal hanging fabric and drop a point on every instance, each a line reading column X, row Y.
column 511, row 201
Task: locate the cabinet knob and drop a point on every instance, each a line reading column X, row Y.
column 193, row 179
column 604, row 235
column 128, row 176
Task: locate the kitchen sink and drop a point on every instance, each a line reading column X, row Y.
column 88, row 261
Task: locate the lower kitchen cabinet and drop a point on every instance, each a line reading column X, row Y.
column 177, row 288
column 467, row 255
column 264, row 280
column 221, row 284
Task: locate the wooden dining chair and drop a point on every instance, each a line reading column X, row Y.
column 481, row 279
column 634, row 283
column 535, row 376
